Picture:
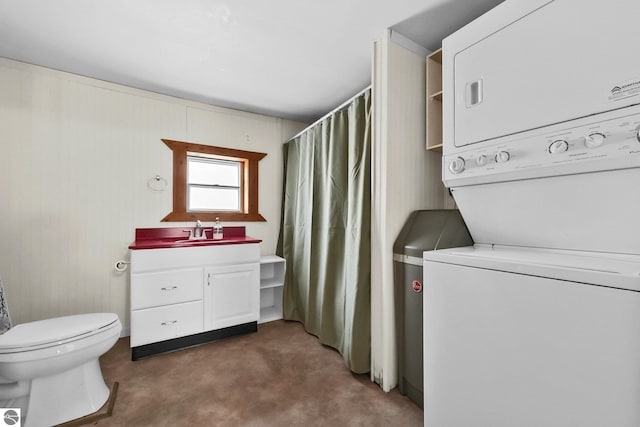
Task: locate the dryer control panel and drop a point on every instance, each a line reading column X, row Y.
column 604, row 142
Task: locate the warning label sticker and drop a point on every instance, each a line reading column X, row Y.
column 623, row 90
column 416, row 286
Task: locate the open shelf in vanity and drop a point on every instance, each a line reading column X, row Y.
column 272, row 269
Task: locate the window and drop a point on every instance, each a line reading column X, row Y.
column 210, row 182
column 213, row 185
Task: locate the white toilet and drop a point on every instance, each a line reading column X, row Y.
column 50, row 368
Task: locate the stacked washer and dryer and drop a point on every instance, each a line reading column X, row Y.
column 538, row 324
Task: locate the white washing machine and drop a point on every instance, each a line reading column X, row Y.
column 526, row 337
column 538, row 324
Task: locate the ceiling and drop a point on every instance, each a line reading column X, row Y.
column 294, row 59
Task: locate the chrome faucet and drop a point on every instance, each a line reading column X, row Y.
column 198, row 230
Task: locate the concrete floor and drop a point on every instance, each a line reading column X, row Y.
column 279, row 376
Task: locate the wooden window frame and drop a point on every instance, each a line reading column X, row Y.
column 249, row 173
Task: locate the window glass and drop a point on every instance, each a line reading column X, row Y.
column 213, row 199
column 212, row 184
column 205, row 171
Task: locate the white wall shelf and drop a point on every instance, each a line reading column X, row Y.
column 272, row 269
column 434, row 100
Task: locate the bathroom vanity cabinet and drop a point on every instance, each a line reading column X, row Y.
column 189, row 293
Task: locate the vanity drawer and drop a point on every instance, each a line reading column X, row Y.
column 165, row 287
column 164, row 323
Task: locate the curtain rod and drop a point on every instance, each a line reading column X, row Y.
column 340, row 107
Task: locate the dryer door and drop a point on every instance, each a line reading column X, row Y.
column 529, row 64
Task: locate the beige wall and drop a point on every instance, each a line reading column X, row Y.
column 406, row 177
column 76, row 157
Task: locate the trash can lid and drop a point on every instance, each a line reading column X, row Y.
column 427, row 230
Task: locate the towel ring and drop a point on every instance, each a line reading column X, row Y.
column 157, row 183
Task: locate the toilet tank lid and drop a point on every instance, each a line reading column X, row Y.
column 55, row 330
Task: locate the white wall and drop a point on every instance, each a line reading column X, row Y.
column 406, row 177
column 76, row 157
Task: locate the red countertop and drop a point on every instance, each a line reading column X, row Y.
column 177, row 237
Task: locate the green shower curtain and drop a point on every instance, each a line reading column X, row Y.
column 325, row 231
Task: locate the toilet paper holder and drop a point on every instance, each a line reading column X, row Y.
column 121, row 265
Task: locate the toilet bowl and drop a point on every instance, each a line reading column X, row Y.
column 50, row 369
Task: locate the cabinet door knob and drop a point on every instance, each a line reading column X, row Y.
column 168, row 288
column 209, row 279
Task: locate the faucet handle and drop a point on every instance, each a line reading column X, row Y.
column 190, row 233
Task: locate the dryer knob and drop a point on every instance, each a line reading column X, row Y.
column 481, row 160
column 594, row 140
column 558, row 146
column 457, row 165
column 638, row 133
column 503, row 156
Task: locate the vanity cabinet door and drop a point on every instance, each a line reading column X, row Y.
column 231, row 295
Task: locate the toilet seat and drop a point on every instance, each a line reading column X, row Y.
column 53, row 332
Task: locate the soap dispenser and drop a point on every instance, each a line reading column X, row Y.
column 217, row 230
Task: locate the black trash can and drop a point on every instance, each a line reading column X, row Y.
column 423, row 231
